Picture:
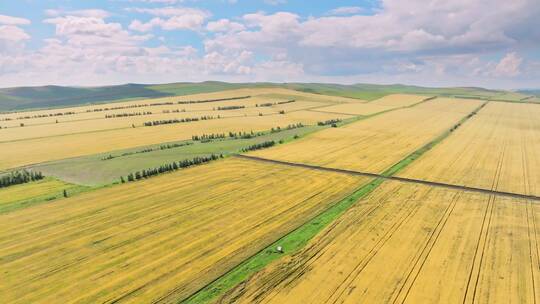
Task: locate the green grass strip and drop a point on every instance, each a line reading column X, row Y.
column 291, row 243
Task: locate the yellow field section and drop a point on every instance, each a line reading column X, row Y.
column 496, row 149
column 98, row 122
column 25, row 152
column 22, row 192
column 257, row 96
column 399, row 100
column 159, row 239
column 157, row 111
column 376, row 143
column 412, row 244
column 383, row 104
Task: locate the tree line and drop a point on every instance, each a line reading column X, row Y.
column 128, row 114
column 170, row 167
column 213, row 100
column 43, row 115
column 229, row 108
column 176, row 120
column 19, row 177
column 243, row 134
column 269, row 104
column 146, row 150
column 263, row 145
column 332, row 122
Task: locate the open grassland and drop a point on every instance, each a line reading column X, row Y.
column 159, row 239
column 380, row 105
column 23, row 152
column 497, row 149
column 93, row 170
column 377, row 143
column 25, row 195
column 412, row 244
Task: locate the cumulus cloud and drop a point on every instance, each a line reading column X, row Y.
column 509, row 66
column 224, row 25
column 9, row 20
column 170, row 18
column 12, row 36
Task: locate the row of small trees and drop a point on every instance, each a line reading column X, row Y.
column 176, row 120
column 146, row 150
column 332, row 122
column 128, row 114
column 213, row 100
column 229, row 108
column 170, row 167
column 263, row 145
column 130, row 106
column 19, row 177
column 43, row 115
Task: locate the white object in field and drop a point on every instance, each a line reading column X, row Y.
column 279, row 249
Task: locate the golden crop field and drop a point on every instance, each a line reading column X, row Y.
column 15, row 194
column 496, row 149
column 380, row 105
column 376, row 143
column 261, row 95
column 412, row 244
column 96, row 121
column 158, row 239
column 23, row 152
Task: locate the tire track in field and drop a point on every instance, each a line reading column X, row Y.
column 327, row 239
column 428, row 247
column 530, row 214
column 483, row 237
column 315, row 251
column 351, row 277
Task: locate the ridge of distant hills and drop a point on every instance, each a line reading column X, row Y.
column 23, row 98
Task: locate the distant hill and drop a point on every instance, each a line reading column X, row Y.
column 22, row 98
column 535, row 92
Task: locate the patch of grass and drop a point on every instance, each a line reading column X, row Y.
column 94, row 171
column 35, row 193
column 291, row 243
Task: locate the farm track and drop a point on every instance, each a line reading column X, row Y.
column 396, row 178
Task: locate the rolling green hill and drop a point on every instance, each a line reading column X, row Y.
column 23, row 98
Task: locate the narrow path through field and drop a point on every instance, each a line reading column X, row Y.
column 395, row 178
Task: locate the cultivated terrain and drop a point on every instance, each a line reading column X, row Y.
column 269, row 193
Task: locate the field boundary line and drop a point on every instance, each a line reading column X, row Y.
column 394, row 178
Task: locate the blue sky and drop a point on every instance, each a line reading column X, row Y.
column 490, row 43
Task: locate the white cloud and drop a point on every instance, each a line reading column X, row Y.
column 12, row 36
column 346, row 10
column 9, row 20
column 96, row 13
column 509, row 66
column 224, row 25
column 176, row 18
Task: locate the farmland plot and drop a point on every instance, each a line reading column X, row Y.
column 20, row 153
column 380, row 105
column 412, row 244
column 497, row 149
column 376, row 143
column 159, row 239
column 19, row 196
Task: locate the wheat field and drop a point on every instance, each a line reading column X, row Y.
column 497, row 149
column 376, row 143
column 386, row 103
column 412, row 244
column 160, row 239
